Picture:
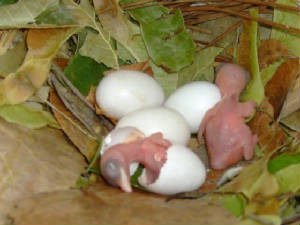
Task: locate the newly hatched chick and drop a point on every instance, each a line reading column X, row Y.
column 228, row 138
column 150, row 152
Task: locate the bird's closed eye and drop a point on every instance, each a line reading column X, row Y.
column 111, row 169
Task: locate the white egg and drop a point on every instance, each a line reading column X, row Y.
column 122, row 135
column 124, row 91
column 158, row 119
column 193, row 100
column 182, row 172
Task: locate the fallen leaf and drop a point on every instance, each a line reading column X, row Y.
column 270, row 134
column 270, row 51
column 168, row 42
column 148, row 14
column 46, row 14
column 268, row 72
column 290, row 19
column 123, row 31
column 7, row 2
column 13, row 49
column 27, row 116
column 282, row 161
column 97, row 47
column 244, row 46
column 168, row 81
column 277, row 88
column 292, row 101
column 102, row 204
column 43, row 45
column 84, row 72
column 292, row 121
column 288, row 178
column 87, row 145
column 34, row 161
column 202, row 67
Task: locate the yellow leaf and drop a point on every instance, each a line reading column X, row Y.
column 43, row 45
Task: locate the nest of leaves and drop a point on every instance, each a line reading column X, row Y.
column 52, row 55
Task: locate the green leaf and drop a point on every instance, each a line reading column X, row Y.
column 13, row 58
column 202, row 67
column 289, row 178
column 23, row 13
column 168, row 81
column 126, row 33
column 282, row 161
column 97, row 43
column 290, row 19
column 149, row 14
column 234, row 204
column 135, row 176
column 124, row 54
column 82, row 182
column 255, row 88
column 57, row 14
column 268, row 72
column 96, row 46
column 7, row 2
column 84, row 72
column 27, row 116
column 168, row 42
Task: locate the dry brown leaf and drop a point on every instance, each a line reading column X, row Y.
column 34, row 161
column 269, row 133
column 102, row 204
column 266, row 206
column 292, row 102
column 43, row 45
column 243, row 50
column 270, row 51
column 277, row 88
column 87, row 145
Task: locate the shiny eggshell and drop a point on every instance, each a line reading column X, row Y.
column 159, row 119
column 193, row 100
column 124, row 91
column 182, row 172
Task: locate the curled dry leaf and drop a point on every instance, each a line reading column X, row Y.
column 34, row 161
column 101, row 204
column 243, row 50
column 271, row 51
column 277, row 88
column 43, row 45
column 292, row 102
column 270, row 134
column 87, row 145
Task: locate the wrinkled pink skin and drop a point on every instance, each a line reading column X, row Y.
column 151, row 152
column 228, row 138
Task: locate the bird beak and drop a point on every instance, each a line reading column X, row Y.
column 124, row 182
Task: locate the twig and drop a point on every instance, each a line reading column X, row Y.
column 271, row 4
column 199, row 29
column 221, row 58
column 247, row 17
column 231, row 28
